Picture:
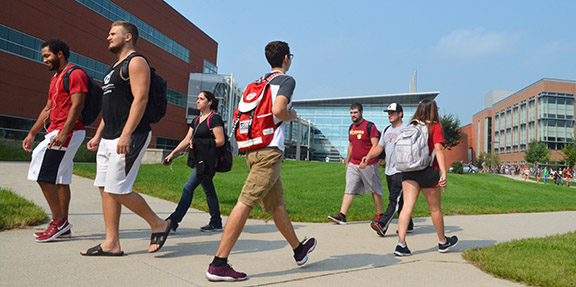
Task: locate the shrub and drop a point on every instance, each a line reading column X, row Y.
column 457, row 167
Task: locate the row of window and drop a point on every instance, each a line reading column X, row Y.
column 23, row 45
column 166, row 143
column 114, row 13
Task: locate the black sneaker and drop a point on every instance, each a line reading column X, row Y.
column 210, row 228
column 378, row 228
column 339, row 218
column 307, row 247
column 449, row 243
column 402, row 251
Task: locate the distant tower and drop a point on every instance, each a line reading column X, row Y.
column 413, row 83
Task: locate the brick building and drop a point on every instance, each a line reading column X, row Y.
column 509, row 121
column 174, row 46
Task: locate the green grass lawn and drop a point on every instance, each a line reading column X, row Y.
column 314, row 190
column 17, row 212
column 549, row 261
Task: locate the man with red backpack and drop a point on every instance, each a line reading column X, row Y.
column 264, row 156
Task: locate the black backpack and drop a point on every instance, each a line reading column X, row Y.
column 225, row 158
column 93, row 102
column 156, row 106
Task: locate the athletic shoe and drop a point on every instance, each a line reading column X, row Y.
column 339, row 218
column 307, row 247
column 224, row 273
column 66, row 234
column 210, row 228
column 378, row 228
column 56, row 228
column 377, row 217
column 402, row 251
column 448, row 243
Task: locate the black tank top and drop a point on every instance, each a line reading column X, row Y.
column 116, row 103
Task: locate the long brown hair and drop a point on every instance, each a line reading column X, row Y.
column 427, row 112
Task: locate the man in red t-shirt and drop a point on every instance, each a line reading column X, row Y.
column 362, row 136
column 52, row 164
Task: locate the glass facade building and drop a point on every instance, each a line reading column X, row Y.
column 330, row 119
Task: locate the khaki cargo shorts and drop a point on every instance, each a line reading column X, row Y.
column 263, row 185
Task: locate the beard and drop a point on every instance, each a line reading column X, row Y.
column 54, row 65
column 115, row 49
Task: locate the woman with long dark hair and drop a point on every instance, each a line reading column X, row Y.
column 206, row 132
column 431, row 180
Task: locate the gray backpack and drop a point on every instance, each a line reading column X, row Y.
column 411, row 148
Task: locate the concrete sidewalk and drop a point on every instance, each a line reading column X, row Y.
column 349, row 255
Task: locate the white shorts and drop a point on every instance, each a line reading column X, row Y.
column 55, row 165
column 117, row 172
column 359, row 180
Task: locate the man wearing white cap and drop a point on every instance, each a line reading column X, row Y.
column 393, row 176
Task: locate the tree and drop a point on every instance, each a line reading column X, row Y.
column 494, row 159
column 480, row 159
column 569, row 152
column 537, row 152
column 451, row 127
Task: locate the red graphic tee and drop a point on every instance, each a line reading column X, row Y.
column 361, row 144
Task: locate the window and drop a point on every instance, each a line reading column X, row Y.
column 114, row 13
column 209, row 68
column 93, row 68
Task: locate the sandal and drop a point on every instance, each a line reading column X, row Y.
column 97, row 251
column 160, row 237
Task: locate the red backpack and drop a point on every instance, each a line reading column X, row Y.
column 254, row 125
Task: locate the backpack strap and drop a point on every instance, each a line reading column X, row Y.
column 208, row 120
column 66, row 78
column 386, row 129
column 124, row 70
column 271, row 76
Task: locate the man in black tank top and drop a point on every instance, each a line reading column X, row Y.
column 121, row 140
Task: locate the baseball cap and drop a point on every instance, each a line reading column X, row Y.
column 394, row 107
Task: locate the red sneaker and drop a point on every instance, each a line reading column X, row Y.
column 56, row 229
column 66, row 234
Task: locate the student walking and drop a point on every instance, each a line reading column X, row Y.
column 431, row 181
column 121, row 140
column 393, row 176
column 264, row 185
column 362, row 136
column 205, row 134
column 52, row 160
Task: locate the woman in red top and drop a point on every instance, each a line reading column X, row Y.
column 432, row 182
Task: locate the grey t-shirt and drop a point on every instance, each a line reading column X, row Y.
column 387, row 141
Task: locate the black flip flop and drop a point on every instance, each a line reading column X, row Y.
column 160, row 237
column 97, row 251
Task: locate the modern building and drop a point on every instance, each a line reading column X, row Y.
column 330, row 119
column 509, row 121
column 173, row 45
